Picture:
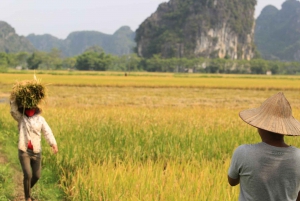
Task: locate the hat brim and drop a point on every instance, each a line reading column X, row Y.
column 272, row 123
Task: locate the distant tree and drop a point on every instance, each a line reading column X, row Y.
column 69, row 62
column 44, row 60
column 275, row 67
column 119, row 63
column 35, row 60
column 12, row 60
column 94, row 48
column 54, row 59
column 155, row 64
column 133, row 62
column 291, row 68
column 4, row 59
column 3, row 62
column 215, row 65
column 258, row 66
column 21, row 58
column 93, row 61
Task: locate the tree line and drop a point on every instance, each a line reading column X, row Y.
column 95, row 59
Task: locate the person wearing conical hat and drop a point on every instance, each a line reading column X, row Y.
column 269, row 170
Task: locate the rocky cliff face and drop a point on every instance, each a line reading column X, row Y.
column 221, row 42
column 206, row 28
column 277, row 32
column 10, row 42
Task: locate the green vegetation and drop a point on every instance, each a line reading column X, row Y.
column 130, row 142
column 182, row 22
column 6, row 182
column 94, row 59
column 160, row 80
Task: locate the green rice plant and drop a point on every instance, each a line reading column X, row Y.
column 197, row 81
column 149, row 143
column 6, row 182
column 100, row 161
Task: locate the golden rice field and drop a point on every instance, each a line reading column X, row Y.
column 149, row 136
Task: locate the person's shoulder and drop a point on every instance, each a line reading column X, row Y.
column 241, row 148
column 296, row 150
column 40, row 117
column 246, row 148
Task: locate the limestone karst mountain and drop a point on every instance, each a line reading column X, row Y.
column 207, row 28
column 277, row 32
column 10, row 42
column 119, row 43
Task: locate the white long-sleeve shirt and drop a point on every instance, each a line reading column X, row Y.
column 30, row 128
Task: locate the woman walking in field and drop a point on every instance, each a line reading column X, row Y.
column 30, row 125
column 269, row 170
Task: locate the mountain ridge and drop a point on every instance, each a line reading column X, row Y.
column 10, row 42
column 277, row 32
column 119, row 43
column 199, row 28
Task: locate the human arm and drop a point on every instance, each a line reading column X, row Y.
column 298, row 198
column 234, row 182
column 54, row 148
column 14, row 111
column 49, row 136
column 236, row 166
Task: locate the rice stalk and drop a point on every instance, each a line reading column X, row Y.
column 28, row 93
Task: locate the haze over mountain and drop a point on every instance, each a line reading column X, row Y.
column 10, row 42
column 277, row 32
column 60, row 18
column 120, row 43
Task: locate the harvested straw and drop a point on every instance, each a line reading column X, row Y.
column 28, row 93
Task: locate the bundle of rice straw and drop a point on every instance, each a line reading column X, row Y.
column 28, row 93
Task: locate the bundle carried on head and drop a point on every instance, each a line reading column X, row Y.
column 28, row 93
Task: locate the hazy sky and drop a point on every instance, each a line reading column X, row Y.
column 61, row 17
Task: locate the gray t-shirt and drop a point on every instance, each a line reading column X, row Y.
column 267, row 173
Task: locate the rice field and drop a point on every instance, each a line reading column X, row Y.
column 149, row 136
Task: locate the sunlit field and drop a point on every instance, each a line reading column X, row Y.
column 148, row 136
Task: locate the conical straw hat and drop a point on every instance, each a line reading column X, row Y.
column 275, row 115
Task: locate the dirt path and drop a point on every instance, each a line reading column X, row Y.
column 19, row 193
column 18, row 177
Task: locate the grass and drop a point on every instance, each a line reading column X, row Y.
column 254, row 82
column 137, row 142
column 6, row 182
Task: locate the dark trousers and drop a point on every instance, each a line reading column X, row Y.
column 31, row 166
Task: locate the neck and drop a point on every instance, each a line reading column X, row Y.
column 273, row 139
column 276, row 143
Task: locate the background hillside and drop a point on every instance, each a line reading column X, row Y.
column 193, row 28
column 10, row 42
column 277, row 32
column 183, row 28
column 120, row 43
